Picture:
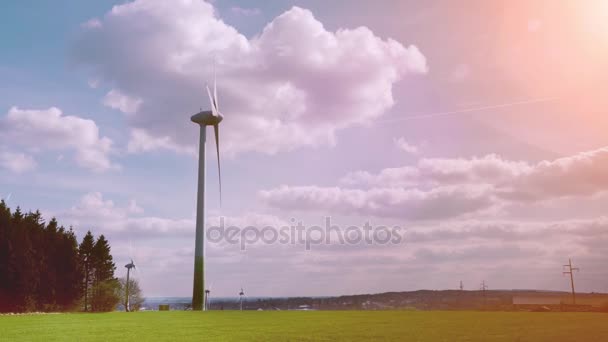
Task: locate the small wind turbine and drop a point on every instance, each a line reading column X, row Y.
column 206, row 118
column 207, row 302
column 241, row 294
column 129, row 266
column 7, row 198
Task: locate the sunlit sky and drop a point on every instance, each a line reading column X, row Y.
column 478, row 126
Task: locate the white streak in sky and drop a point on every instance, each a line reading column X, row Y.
column 468, row 110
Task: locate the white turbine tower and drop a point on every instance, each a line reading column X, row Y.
column 213, row 118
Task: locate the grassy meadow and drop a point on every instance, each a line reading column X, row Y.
column 306, row 326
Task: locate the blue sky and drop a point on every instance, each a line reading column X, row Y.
column 516, row 153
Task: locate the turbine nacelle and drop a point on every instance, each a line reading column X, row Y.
column 130, row 265
column 206, row 118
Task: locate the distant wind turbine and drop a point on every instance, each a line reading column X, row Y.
column 241, row 294
column 129, row 266
column 207, row 297
column 206, row 118
column 7, row 198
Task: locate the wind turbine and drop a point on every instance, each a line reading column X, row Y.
column 241, row 294
column 207, row 302
column 206, row 118
column 7, row 198
column 129, row 266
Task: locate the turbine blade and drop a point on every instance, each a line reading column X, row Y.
column 217, row 106
column 213, row 110
column 216, row 128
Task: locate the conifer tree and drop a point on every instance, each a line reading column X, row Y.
column 105, row 287
column 85, row 251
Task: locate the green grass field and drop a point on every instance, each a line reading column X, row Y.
column 307, row 326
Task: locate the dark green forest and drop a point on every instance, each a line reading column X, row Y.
column 44, row 268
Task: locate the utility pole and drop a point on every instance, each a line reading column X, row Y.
column 461, row 286
column 484, row 287
column 570, row 271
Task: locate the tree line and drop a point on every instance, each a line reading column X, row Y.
column 44, row 268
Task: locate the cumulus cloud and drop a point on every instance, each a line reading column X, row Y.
column 583, row 174
column 443, row 202
column 403, row 145
column 437, row 246
column 245, row 11
column 490, row 169
column 49, row 129
column 117, row 100
column 16, row 162
column 141, row 141
column 480, row 231
column 105, row 217
column 93, row 210
column 294, row 84
column 438, row 188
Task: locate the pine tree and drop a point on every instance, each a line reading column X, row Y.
column 69, row 272
column 24, row 264
column 5, row 256
column 102, row 260
column 105, row 294
column 85, row 251
column 49, row 267
column 40, row 265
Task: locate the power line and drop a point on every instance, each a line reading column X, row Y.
column 468, row 110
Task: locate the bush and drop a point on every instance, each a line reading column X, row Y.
column 105, row 296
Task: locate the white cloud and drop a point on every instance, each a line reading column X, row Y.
column 403, row 145
column 117, row 100
column 294, row 84
column 107, row 218
column 438, row 246
column 410, row 204
column 490, row 169
column 49, row 129
column 583, row 174
column 16, row 162
column 439, row 188
column 92, row 24
column 141, row 141
column 248, row 12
